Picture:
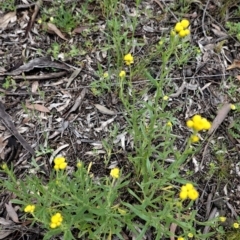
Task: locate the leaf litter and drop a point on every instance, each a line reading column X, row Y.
column 77, row 121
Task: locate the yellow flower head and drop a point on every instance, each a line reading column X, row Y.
column 198, row 123
column 182, row 33
column 178, row 27
column 193, row 194
column 185, row 23
column 169, row 124
column 60, row 163
column 122, row 74
column 56, row 220
column 236, row 225
column 183, row 195
column 222, row 219
column 115, row 172
column 187, row 32
column 128, row 58
column 4, row 166
column 79, row 164
column 39, row 21
column 180, row 238
column 161, row 42
column 190, row 235
column 29, row 208
column 165, row 98
column 188, row 191
column 194, row 138
column 105, row 75
column 233, row 107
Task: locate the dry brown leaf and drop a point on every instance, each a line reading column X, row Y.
column 51, row 27
column 222, row 114
column 235, row 64
column 238, row 77
column 5, row 233
column 35, row 86
column 78, row 102
column 79, row 29
column 73, row 76
column 9, row 17
column 11, row 212
column 104, row 110
column 219, row 33
column 37, row 107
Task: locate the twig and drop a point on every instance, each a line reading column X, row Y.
column 203, row 18
column 169, row 10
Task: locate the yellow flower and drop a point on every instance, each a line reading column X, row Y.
column 193, row 194
column 60, row 163
column 128, row 58
column 206, row 125
column 233, row 107
column 4, row 166
column 185, row 23
column 190, row 123
column 115, row 172
column 105, row 75
column 194, row 138
column 222, row 219
column 178, row 27
column 56, row 220
column 29, row 208
column 160, row 42
column 236, row 225
column 198, row 123
column 79, row 164
column 190, row 235
column 122, row 74
column 39, row 21
column 187, row 32
column 51, row 19
column 183, row 195
column 165, row 98
column 189, row 186
column 196, row 118
column 180, row 238
column 169, row 124
column 188, row 191
column 182, row 33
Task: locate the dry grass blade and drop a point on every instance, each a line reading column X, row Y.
column 9, row 17
column 222, row 114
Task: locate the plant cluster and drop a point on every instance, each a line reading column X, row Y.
column 75, row 204
column 181, row 28
column 188, row 191
column 197, row 124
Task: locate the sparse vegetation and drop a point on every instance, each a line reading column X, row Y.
column 138, row 138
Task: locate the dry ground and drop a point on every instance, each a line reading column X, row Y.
column 69, row 116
